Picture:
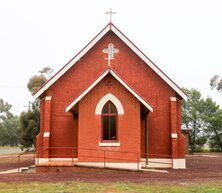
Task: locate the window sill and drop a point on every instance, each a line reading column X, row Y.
column 109, row 144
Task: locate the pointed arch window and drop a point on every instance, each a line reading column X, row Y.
column 109, row 122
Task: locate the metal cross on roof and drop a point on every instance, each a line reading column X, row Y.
column 110, row 12
column 110, row 51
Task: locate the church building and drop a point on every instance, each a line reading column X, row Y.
column 110, row 106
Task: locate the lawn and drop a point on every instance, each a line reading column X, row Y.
column 75, row 187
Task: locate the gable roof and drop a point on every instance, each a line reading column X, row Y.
column 110, row 27
column 109, row 71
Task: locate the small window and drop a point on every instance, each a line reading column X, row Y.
column 109, row 122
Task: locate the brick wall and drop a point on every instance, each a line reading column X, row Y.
column 128, row 124
column 64, row 129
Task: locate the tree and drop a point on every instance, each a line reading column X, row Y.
column 213, row 124
column 216, row 82
column 46, row 71
column 192, row 119
column 30, row 124
column 9, row 125
column 30, row 120
column 5, row 110
column 36, row 81
column 9, row 131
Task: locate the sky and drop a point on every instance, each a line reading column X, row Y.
column 183, row 37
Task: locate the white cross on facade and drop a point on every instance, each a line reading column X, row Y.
column 110, row 51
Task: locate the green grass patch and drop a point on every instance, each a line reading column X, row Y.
column 79, row 187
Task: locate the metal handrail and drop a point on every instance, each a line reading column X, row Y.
column 105, row 155
column 25, row 153
column 22, row 154
column 156, row 155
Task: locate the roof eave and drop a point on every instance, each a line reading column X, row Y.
column 149, row 62
column 72, row 62
column 113, row 28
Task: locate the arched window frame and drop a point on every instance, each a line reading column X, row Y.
column 109, row 114
column 113, row 99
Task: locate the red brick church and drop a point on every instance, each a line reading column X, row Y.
column 111, row 106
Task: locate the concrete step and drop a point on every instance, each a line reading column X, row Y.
column 57, row 163
column 145, row 169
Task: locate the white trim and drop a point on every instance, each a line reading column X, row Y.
column 174, row 135
column 63, row 159
column 45, row 160
column 120, row 81
column 164, row 163
column 157, row 163
column 72, row 62
column 41, row 160
column 132, row 91
column 46, row 134
column 152, row 163
column 154, row 170
column 48, row 98
column 105, row 99
column 127, row 166
column 149, row 62
column 103, row 144
column 179, row 163
column 86, row 91
column 173, row 99
column 129, row 43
